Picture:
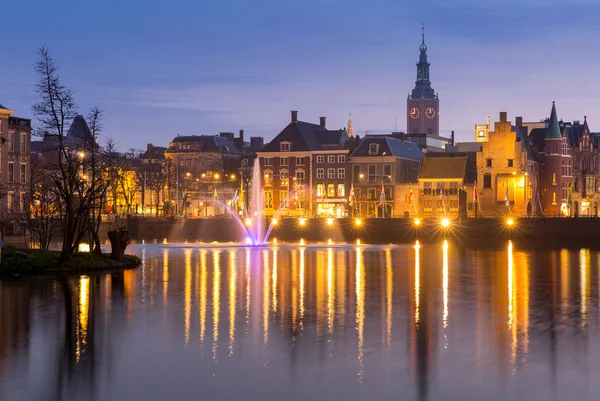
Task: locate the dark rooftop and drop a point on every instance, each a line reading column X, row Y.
column 389, row 145
column 443, row 168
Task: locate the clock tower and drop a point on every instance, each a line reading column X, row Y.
column 423, row 104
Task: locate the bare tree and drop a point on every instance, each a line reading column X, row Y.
column 54, row 110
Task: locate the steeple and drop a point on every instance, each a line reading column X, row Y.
column 423, row 85
column 350, row 126
column 553, row 131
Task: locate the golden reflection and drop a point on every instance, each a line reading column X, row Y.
column 274, row 281
column 360, row 312
column 389, row 293
column 417, row 281
column 165, row 277
column 302, row 250
column 188, row 292
column 202, row 295
column 564, row 282
column 512, row 325
column 84, row 303
column 330, row 291
column 445, row 283
column 216, row 301
column 248, row 288
column 266, row 297
column 232, row 299
column 320, row 284
column 295, row 280
column 584, row 276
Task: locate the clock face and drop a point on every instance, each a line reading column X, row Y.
column 430, row 112
column 414, row 113
column 481, row 134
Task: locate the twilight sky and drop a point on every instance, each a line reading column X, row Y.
column 162, row 68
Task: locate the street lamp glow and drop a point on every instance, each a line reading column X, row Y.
column 302, row 221
column 217, row 176
column 274, row 222
column 417, row 222
column 330, row 221
column 203, row 175
column 445, row 222
column 81, row 155
column 233, row 176
column 248, row 222
column 357, row 222
column 510, row 222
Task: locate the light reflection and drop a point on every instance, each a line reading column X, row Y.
column 330, row 291
column 360, row 312
column 84, row 302
column 266, row 297
column 445, row 283
column 584, row 277
column 188, row 292
column 564, row 283
column 512, row 325
column 232, row 299
column 248, row 289
column 389, row 293
column 417, row 281
column 202, row 295
column 216, row 302
column 301, row 274
column 274, row 281
column 165, row 277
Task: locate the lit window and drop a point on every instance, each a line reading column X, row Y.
column 320, row 190
column 553, row 197
column 285, row 178
column 331, row 190
column 554, row 178
column 268, row 178
column 10, row 199
column 341, row 191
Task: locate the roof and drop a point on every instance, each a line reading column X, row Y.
column 208, row 143
column 553, row 131
column 574, row 133
column 465, row 147
column 391, row 146
column 443, row 168
column 307, row 137
column 79, row 128
column 157, row 152
column 2, row 107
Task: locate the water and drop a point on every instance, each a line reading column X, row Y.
column 297, row 323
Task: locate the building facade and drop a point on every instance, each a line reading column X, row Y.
column 383, row 161
column 304, row 170
column 423, row 104
column 442, row 186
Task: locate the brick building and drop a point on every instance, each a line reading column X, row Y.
column 304, row 170
column 442, row 186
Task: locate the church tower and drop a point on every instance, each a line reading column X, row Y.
column 553, row 193
column 423, row 104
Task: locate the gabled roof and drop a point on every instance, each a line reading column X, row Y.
column 307, row 137
column 391, row 146
column 553, row 131
column 79, row 128
column 443, row 168
column 208, row 143
column 2, row 107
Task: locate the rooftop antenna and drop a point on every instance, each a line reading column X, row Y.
column 395, row 124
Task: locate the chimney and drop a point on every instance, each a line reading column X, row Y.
column 149, row 148
column 242, row 135
column 294, row 116
column 519, row 121
column 322, row 121
column 452, row 136
column 576, row 122
column 502, row 116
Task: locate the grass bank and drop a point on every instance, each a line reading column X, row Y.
column 17, row 261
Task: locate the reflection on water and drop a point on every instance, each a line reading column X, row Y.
column 427, row 322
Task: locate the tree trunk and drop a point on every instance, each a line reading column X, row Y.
column 118, row 242
column 96, row 243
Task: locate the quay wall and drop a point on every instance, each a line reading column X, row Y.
column 549, row 232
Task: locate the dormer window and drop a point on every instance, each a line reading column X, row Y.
column 373, row 149
column 285, row 146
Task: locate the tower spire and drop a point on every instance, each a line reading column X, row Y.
column 423, row 85
column 423, row 46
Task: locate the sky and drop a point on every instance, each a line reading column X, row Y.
column 163, row 68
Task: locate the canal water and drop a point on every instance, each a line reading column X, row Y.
column 331, row 322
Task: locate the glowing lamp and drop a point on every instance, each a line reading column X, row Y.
column 445, row 222
column 330, row 221
column 510, row 222
column 417, row 222
column 248, row 222
column 357, row 222
column 302, row 221
column 274, row 222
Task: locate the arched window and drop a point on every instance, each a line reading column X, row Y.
column 553, row 197
column 554, row 178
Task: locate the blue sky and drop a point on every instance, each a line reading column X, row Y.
column 162, row 68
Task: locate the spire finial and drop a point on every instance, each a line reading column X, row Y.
column 423, row 33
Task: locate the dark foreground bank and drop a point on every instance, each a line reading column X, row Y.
column 34, row 261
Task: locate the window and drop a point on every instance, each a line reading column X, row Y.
column 23, row 173
column 357, row 193
column 284, row 178
column 553, row 197
column 341, row 191
column 373, row 149
column 341, row 173
column 372, row 175
column 356, row 173
column 331, row 190
column 268, row 161
column 283, row 198
column 268, row 178
column 320, row 173
column 427, row 188
column 330, row 173
column 387, row 172
column 510, row 163
column 284, row 146
column 341, row 159
column 487, row 181
column 11, row 172
column 283, row 161
column 268, row 199
column 553, row 178
column 372, row 193
column 10, row 200
column 320, row 159
column 488, row 163
column 21, row 202
column 388, row 193
column 320, row 190
column 299, row 161
column 23, row 142
column 331, row 159
column 300, row 177
column 565, row 147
